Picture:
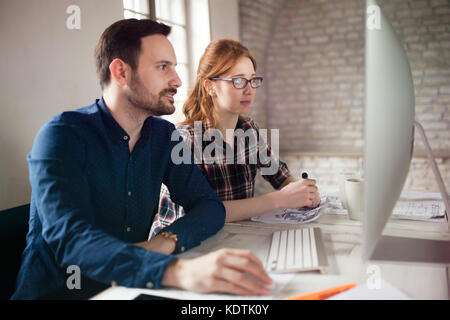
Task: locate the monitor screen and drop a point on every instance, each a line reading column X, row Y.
column 389, row 118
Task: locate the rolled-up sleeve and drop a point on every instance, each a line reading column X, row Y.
column 204, row 211
column 62, row 197
column 282, row 172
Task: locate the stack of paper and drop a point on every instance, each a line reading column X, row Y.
column 122, row 293
column 413, row 205
column 290, row 216
column 362, row 292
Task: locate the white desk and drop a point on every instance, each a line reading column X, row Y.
column 342, row 238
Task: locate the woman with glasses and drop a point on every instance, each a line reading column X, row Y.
column 223, row 93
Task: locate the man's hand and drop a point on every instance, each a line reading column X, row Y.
column 302, row 193
column 159, row 243
column 226, row 270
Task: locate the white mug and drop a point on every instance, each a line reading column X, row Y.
column 354, row 191
column 342, row 177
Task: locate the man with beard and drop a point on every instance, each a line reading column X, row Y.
column 96, row 174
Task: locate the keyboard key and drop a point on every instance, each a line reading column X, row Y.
column 315, row 260
column 282, row 251
column 273, row 253
column 291, row 248
column 299, row 250
column 306, row 249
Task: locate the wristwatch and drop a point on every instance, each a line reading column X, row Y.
column 170, row 235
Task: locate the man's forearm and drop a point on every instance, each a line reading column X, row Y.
column 171, row 276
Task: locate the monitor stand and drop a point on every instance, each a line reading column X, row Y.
column 415, row 250
column 436, row 172
column 412, row 250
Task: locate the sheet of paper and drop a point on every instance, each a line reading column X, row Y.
column 420, row 210
column 420, row 195
column 122, row 293
column 362, row 292
column 290, row 216
column 412, row 205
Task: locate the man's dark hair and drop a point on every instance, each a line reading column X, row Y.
column 123, row 40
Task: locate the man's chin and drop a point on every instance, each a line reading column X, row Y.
column 165, row 109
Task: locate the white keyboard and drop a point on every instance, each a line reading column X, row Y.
column 297, row 250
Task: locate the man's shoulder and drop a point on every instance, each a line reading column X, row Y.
column 77, row 117
column 68, row 124
column 162, row 127
column 162, row 123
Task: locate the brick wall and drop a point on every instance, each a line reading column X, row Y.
column 257, row 20
column 326, row 168
column 311, row 53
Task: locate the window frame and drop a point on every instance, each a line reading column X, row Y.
column 190, row 64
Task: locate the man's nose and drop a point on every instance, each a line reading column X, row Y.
column 175, row 81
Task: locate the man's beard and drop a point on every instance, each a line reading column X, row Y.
column 139, row 97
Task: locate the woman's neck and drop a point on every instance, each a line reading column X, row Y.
column 224, row 121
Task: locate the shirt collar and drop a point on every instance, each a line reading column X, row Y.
column 242, row 123
column 113, row 128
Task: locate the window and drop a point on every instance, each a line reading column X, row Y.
column 139, row 9
column 190, row 35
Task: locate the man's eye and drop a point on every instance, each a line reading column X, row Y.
column 163, row 67
column 237, row 80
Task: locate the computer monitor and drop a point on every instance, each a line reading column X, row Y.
column 389, row 139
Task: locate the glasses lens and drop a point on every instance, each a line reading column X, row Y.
column 256, row 82
column 239, row 83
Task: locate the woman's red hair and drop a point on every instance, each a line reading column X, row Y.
column 219, row 57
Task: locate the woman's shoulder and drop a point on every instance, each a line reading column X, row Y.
column 245, row 122
column 186, row 128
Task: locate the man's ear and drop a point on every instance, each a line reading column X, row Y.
column 120, row 71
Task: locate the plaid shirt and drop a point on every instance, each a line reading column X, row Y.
column 232, row 178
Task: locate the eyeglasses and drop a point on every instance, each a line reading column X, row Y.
column 241, row 83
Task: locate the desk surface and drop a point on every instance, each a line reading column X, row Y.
column 342, row 239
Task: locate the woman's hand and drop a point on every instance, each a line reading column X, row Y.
column 301, row 193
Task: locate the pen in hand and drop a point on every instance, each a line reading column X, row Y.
column 305, row 176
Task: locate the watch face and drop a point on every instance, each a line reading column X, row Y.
column 169, row 235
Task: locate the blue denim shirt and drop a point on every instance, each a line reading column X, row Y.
column 92, row 199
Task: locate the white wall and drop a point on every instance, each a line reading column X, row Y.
column 46, row 69
column 224, row 17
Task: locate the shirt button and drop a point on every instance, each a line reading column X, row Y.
column 125, row 138
column 149, row 285
column 129, row 193
column 128, row 229
column 182, row 249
